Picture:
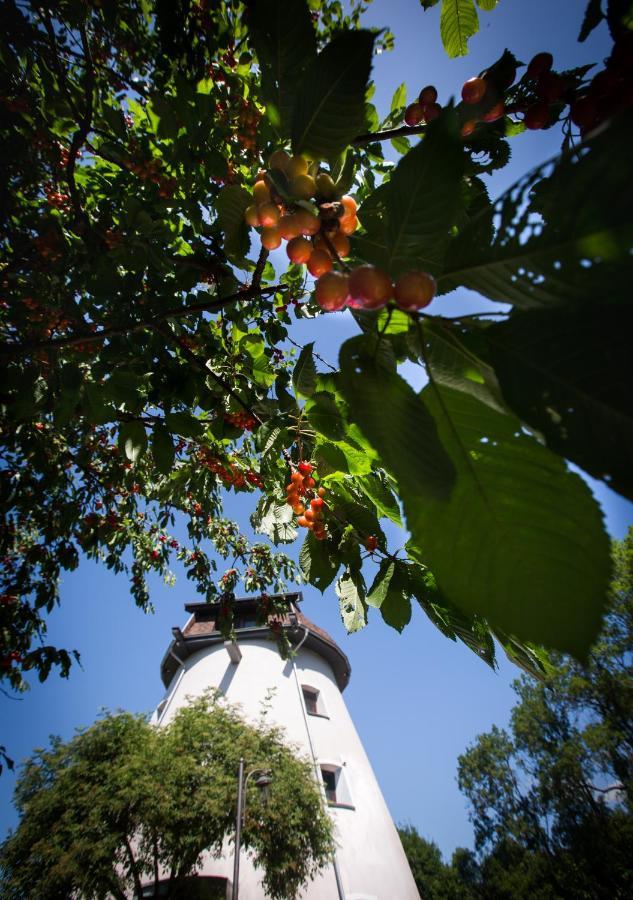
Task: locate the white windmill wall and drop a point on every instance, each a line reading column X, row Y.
column 371, row 861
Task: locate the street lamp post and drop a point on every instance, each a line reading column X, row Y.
column 263, row 781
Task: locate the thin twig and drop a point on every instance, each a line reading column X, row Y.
column 401, row 131
column 333, row 251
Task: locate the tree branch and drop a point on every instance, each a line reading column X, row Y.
column 401, row 131
column 177, row 312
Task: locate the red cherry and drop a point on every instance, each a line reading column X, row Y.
column 431, row 111
column 537, row 117
column 550, row 87
column 540, row 64
column 474, row 90
column 415, row 290
column 428, row 94
column 370, row 287
column 414, row 114
column 317, row 503
column 584, row 112
column 371, row 543
column 497, row 112
column 331, row 291
column 305, row 468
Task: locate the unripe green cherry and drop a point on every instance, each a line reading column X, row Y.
column 325, row 186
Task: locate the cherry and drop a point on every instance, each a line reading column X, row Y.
column 299, row 250
column 321, row 492
column 271, row 238
column 539, row 65
column 296, row 478
column 414, row 114
column 371, row 286
column 550, row 87
column 279, row 160
column 341, row 244
column 497, row 112
column 261, row 194
column 297, row 165
column 415, row 290
column 371, row 543
column 288, row 228
column 316, row 503
column 319, row 263
column 306, row 222
column 305, row 468
column 348, row 224
column 428, row 94
column 537, row 116
column 349, row 205
column 468, row 127
column 332, row 291
column 432, row 111
column 584, row 112
column 268, row 215
column 303, row 187
column 474, row 90
column 325, row 186
column 251, row 216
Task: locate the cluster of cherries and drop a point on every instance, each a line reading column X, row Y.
column 243, row 420
column 369, row 287
column 291, row 204
column 7, row 661
column 306, row 502
column 57, row 199
column 425, row 109
column 229, row 473
column 149, row 170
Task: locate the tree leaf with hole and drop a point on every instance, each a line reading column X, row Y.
column 547, row 251
column 350, row 590
column 330, row 104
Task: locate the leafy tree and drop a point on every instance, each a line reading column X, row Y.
column 551, row 800
column 147, row 338
column 434, row 879
column 104, row 812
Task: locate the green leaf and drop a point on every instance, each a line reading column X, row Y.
column 547, row 251
column 351, row 593
column 487, row 5
column 458, row 23
column 378, row 590
column 231, row 205
column 397, row 424
column 317, row 565
column 304, row 375
column 399, row 98
column 360, row 517
column 521, row 540
column 262, row 372
column 593, row 17
column 390, row 593
column 423, row 199
column 330, row 105
column 133, row 440
column 453, row 364
column 324, row 416
column 184, row 424
column 162, row 449
column 532, row 659
column 374, row 486
column 568, row 374
column 276, row 520
column 283, row 36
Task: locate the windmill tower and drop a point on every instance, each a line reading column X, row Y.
column 307, row 701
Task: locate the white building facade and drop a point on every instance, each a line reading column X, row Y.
column 304, row 695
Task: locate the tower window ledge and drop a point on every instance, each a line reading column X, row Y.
column 333, row 805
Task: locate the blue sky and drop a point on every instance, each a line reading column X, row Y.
column 417, row 699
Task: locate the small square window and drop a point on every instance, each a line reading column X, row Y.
column 329, row 782
column 311, row 699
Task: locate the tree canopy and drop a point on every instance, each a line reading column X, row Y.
column 103, row 813
column 154, row 155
